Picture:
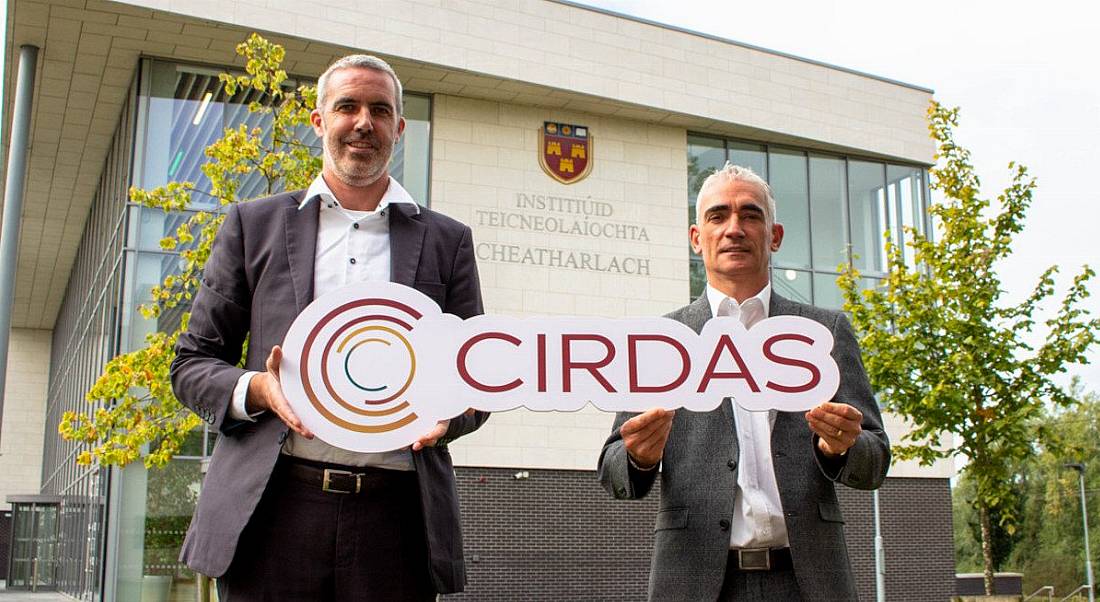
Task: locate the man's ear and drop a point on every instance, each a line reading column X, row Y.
column 777, row 237
column 693, row 238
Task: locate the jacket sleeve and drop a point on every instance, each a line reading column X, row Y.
column 204, row 370
column 866, row 463
column 464, row 301
column 615, row 472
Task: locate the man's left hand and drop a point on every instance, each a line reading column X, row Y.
column 837, row 425
column 433, row 435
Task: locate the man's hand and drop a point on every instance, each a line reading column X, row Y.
column 837, row 425
column 440, row 429
column 266, row 393
column 433, row 435
column 645, row 435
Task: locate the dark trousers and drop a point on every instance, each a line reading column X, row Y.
column 777, row 585
column 303, row 543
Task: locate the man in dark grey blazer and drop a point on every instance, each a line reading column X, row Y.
column 748, row 508
column 282, row 515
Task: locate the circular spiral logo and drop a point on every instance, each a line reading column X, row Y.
column 354, row 367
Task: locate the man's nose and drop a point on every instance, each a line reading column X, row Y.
column 733, row 228
column 363, row 121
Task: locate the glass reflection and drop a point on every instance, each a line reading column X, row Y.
column 793, row 284
column 749, row 155
column 827, row 199
column 791, row 188
column 868, row 215
column 905, row 192
column 826, row 292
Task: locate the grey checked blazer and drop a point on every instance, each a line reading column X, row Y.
column 699, row 476
column 258, row 279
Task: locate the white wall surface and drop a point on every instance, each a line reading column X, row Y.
column 24, row 418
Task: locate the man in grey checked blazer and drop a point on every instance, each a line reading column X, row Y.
column 748, row 507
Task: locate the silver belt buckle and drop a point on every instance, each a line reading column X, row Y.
column 754, row 559
column 326, row 484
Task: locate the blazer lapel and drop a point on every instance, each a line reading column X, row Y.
column 697, row 314
column 407, row 230
column 782, row 306
column 301, row 247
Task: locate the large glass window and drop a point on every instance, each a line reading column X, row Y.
column 869, row 216
column 834, row 209
column 749, row 155
column 828, row 192
column 905, row 196
column 789, row 181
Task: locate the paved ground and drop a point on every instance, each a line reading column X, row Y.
column 7, row 595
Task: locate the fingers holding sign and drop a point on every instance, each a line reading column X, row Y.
column 645, row 435
column 433, row 436
column 265, row 392
column 837, row 424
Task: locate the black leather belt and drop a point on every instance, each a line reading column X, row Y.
column 334, row 478
column 760, row 559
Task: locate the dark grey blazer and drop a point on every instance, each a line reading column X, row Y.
column 699, row 477
column 258, row 278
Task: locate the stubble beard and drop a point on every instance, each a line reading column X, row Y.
column 358, row 173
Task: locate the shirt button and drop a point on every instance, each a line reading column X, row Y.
column 352, row 260
column 356, row 226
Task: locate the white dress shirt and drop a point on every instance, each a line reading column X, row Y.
column 352, row 246
column 757, row 510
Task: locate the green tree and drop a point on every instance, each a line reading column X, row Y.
column 946, row 351
column 131, row 405
column 1049, row 549
column 968, row 529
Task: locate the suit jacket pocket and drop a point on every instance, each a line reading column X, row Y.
column 436, row 290
column 671, row 518
column 830, row 512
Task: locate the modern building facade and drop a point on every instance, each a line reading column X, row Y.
column 127, row 94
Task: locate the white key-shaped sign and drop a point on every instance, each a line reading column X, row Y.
column 374, row 365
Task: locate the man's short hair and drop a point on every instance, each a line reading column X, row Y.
column 737, row 173
column 360, row 61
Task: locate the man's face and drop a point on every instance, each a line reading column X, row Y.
column 732, row 235
column 358, row 125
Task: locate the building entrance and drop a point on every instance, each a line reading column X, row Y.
column 33, row 562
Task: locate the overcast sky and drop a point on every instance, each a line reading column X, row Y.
column 1026, row 76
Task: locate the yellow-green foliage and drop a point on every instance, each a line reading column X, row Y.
column 131, row 410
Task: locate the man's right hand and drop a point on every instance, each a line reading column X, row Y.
column 645, row 435
column 265, row 393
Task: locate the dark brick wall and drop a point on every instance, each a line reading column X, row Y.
column 557, row 536
column 916, row 534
